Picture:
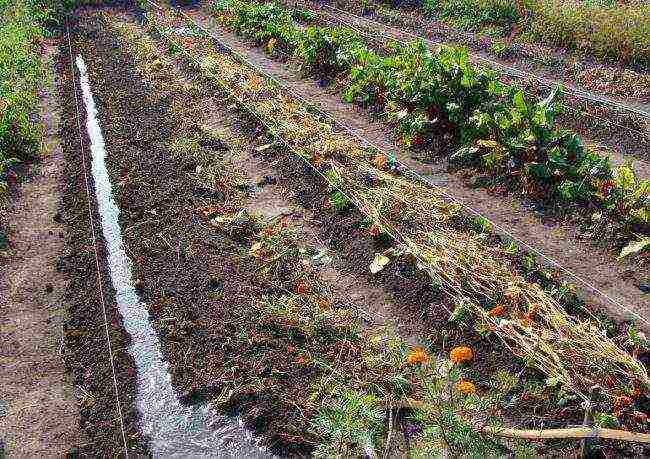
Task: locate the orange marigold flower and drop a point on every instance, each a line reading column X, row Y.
column 301, row 360
column 323, row 304
column 622, row 401
column 526, row 321
column 461, row 354
column 417, row 355
column 497, row 311
column 465, row 387
column 302, row 287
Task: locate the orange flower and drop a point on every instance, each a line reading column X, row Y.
column 323, row 304
column 208, row 211
column 526, row 322
column 417, row 355
column 301, row 360
column 379, row 161
column 497, row 311
column 465, row 387
column 302, row 287
column 461, row 354
column 532, row 310
column 622, row 401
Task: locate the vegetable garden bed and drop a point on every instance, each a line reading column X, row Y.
column 249, row 249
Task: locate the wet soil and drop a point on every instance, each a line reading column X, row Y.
column 38, row 403
column 108, row 416
column 592, row 267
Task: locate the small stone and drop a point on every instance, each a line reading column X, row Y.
column 139, row 284
column 645, row 288
column 49, row 288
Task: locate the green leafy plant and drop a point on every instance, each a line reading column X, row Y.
column 349, row 425
column 20, row 75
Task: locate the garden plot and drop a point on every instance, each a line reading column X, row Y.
column 619, row 125
column 617, row 80
column 256, row 279
column 547, row 233
column 254, row 227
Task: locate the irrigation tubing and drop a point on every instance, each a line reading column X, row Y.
column 94, row 237
column 349, row 130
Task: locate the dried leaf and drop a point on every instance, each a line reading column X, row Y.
column 378, row 263
column 635, row 247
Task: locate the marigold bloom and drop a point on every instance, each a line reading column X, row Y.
column 465, row 387
column 374, row 230
column 526, row 322
column 417, row 355
column 497, row 311
column 461, row 354
column 622, row 401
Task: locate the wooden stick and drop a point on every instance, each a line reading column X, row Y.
column 573, row 432
column 543, row 434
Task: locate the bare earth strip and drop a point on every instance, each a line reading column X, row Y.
column 39, row 412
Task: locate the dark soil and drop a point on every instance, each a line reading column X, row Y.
column 87, row 356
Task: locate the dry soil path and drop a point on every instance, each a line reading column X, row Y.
column 38, row 411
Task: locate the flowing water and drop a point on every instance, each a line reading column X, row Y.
column 175, row 430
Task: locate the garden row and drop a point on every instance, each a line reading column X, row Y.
column 475, row 271
column 495, row 128
column 605, row 29
column 246, row 319
column 295, row 331
column 21, row 74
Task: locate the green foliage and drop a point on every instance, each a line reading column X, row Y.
column 339, row 201
column 20, row 75
column 443, row 425
column 606, row 420
column 497, row 127
column 348, row 425
column 331, row 49
column 263, row 22
column 605, row 29
column 475, row 14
